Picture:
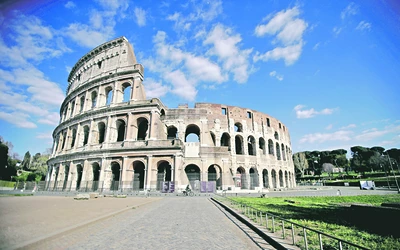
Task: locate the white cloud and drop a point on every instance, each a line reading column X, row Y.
column 329, row 127
column 289, row 54
column 336, row 30
column 363, row 25
column 316, row 46
column 341, row 135
column 50, row 119
column 373, row 133
column 47, row 136
column 349, row 126
column 350, row 10
column 183, row 87
column 88, row 37
column 140, row 15
column 225, row 46
column 114, row 5
column 155, row 89
column 276, row 75
column 18, row 119
column 70, row 5
column 289, row 31
column 302, row 113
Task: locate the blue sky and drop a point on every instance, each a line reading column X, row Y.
column 329, row 70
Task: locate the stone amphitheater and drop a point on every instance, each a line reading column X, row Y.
column 111, row 137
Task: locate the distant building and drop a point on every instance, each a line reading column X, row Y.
column 111, row 137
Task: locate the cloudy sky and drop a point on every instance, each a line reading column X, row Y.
column 329, row 70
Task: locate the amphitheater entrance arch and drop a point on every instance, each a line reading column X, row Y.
column 138, row 175
column 215, row 174
column 286, row 179
column 79, row 171
column 163, row 173
column 281, row 184
column 240, row 178
column 239, row 145
column 192, row 133
column 193, row 174
column 96, row 176
column 265, row 178
column 66, row 174
column 273, row 177
column 116, row 174
column 253, row 178
column 143, row 126
column 226, row 141
column 121, row 127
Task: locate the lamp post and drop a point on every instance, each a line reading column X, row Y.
column 395, row 179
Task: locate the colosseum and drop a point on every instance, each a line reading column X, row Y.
column 111, row 138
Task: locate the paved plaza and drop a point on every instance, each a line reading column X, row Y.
column 141, row 223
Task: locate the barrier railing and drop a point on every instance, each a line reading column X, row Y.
column 299, row 235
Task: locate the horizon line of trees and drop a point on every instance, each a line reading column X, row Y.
column 31, row 168
column 363, row 159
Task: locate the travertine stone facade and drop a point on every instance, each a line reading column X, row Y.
column 109, row 132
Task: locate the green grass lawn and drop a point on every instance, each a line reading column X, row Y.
column 329, row 215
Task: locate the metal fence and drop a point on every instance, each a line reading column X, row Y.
column 113, row 186
column 301, row 236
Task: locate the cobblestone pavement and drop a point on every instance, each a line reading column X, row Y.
column 28, row 219
column 170, row 223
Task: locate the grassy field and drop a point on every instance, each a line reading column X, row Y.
column 329, row 215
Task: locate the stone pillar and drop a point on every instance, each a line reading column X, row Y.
column 108, row 136
column 147, row 173
column 129, row 125
column 203, row 128
column 152, row 126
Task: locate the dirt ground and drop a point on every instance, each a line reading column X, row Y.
column 25, row 220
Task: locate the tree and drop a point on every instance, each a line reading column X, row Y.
column 3, row 161
column 328, row 168
column 359, row 158
column 39, row 164
column 300, row 162
column 26, row 162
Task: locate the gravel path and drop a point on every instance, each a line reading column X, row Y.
column 170, row 223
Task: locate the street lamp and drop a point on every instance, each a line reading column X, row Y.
column 397, row 184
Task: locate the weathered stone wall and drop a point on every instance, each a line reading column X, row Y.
column 107, row 125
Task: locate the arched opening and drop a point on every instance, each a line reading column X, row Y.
column 162, row 113
column 121, row 128
column 253, row 178
column 126, row 88
column 226, row 141
column 66, row 176
column 193, row 174
column 72, row 109
column 172, row 133
column 251, row 145
column 265, row 178
column 239, row 145
column 102, row 131
column 192, row 133
column 143, row 126
column 283, row 152
column 82, row 104
column 85, row 135
column 73, row 138
column 278, row 152
column 96, row 176
column 214, row 174
column 273, row 177
column 109, row 95
column 240, row 178
column 286, row 179
column 276, row 135
column 261, row 145
column 238, row 127
column 213, row 138
column 270, row 147
column 163, row 176
column 116, row 174
column 64, row 140
column 138, row 175
column 79, row 170
column 94, row 99
column 281, row 184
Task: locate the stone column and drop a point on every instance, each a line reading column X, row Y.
column 129, row 125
